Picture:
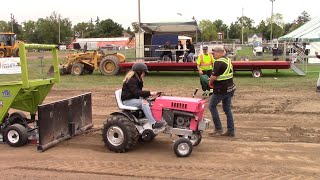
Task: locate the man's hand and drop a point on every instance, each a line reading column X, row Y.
column 212, row 79
column 200, row 72
column 153, row 93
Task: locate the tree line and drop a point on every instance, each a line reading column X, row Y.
column 46, row 30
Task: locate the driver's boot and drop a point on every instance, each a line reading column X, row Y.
column 158, row 125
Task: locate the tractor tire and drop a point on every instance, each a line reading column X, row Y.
column 77, row 69
column 16, row 135
column 256, row 73
column 3, row 53
column 147, row 135
column 16, row 53
column 88, row 71
column 182, row 147
column 109, row 65
column 120, row 134
column 18, row 118
column 196, row 138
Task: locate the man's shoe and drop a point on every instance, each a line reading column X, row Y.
column 210, row 92
column 158, row 125
column 205, row 93
column 216, row 132
column 228, row 133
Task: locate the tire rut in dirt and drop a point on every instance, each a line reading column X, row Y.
column 130, row 133
column 164, row 171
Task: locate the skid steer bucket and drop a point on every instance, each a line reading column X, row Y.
column 61, row 120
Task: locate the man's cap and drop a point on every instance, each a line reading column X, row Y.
column 205, row 47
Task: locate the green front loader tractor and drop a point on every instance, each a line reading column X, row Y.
column 24, row 95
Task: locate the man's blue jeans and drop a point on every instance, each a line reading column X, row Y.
column 226, row 105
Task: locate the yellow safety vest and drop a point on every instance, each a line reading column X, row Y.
column 228, row 73
column 205, row 63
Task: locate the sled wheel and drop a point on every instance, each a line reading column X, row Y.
column 256, row 73
column 182, row 147
column 119, row 134
column 16, row 135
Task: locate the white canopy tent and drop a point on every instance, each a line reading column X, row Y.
column 307, row 33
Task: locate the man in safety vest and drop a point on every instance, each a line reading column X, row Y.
column 222, row 82
column 205, row 64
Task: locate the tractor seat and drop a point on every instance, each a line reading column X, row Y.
column 120, row 104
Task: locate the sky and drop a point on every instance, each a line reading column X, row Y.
column 126, row 11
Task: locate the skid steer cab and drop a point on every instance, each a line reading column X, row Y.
column 183, row 117
column 49, row 123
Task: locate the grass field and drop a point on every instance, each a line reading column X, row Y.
column 283, row 79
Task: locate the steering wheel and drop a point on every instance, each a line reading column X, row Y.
column 159, row 94
column 150, row 99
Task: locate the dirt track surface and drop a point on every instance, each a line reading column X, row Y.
column 277, row 136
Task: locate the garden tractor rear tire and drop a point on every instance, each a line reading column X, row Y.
column 182, row 147
column 120, row 134
column 3, row 53
column 77, row 69
column 109, row 65
column 16, row 135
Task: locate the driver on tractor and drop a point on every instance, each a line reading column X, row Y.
column 133, row 95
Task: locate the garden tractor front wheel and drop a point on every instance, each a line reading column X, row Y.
column 16, row 135
column 182, row 147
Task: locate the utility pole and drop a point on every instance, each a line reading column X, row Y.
column 12, row 19
column 242, row 27
column 59, row 29
column 271, row 19
column 139, row 21
column 194, row 19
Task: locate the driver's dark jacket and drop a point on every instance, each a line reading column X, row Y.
column 133, row 89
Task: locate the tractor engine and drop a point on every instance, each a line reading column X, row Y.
column 179, row 112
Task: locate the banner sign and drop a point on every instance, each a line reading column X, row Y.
column 10, row 65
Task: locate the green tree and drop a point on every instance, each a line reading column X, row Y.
column 29, row 29
column 109, row 28
column 235, row 31
column 221, row 27
column 4, row 26
column 129, row 31
column 135, row 26
column 47, row 30
column 82, row 30
column 276, row 19
column 209, row 30
column 263, row 28
column 303, row 18
column 247, row 24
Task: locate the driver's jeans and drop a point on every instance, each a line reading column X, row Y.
column 141, row 104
